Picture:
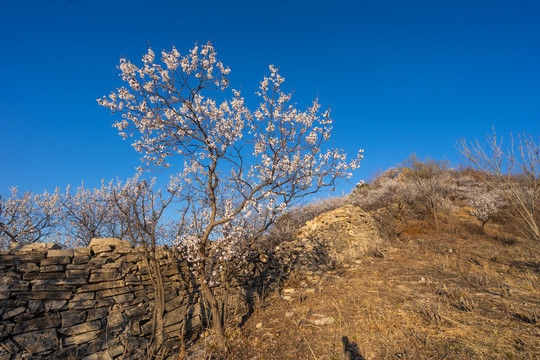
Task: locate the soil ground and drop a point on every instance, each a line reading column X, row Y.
column 424, row 297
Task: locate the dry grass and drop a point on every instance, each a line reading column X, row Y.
column 432, row 296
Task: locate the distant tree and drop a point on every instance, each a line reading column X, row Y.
column 27, row 218
column 431, row 181
column 90, row 213
column 241, row 169
column 385, row 190
column 512, row 173
column 485, row 205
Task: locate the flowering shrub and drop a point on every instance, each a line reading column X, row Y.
column 27, row 218
column 88, row 214
column 239, row 168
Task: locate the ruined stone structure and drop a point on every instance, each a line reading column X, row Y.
column 91, row 303
column 97, row 302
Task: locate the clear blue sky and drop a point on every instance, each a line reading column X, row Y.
column 400, row 76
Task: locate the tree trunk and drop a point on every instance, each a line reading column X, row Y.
column 156, row 276
column 215, row 311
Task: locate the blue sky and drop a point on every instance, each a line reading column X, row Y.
column 399, row 76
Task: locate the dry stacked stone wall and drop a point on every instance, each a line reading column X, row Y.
column 94, row 302
column 97, row 302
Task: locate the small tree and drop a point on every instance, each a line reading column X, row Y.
column 512, row 173
column 27, row 218
column 431, row 181
column 384, row 191
column 241, row 168
column 91, row 213
column 141, row 210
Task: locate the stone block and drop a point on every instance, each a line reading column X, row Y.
column 57, row 260
column 174, row 303
column 97, row 313
column 132, row 279
column 100, row 275
column 81, row 251
column 73, row 352
column 47, row 282
column 13, row 312
column 81, row 328
column 120, row 299
column 83, row 274
column 83, row 296
column 113, row 292
column 80, row 259
column 33, row 247
column 51, row 268
column 44, row 276
column 6, row 329
column 98, row 249
column 115, row 320
column 28, row 267
column 101, row 286
column 109, row 242
column 38, row 341
column 10, row 284
column 80, row 267
column 52, row 305
column 43, row 295
column 175, row 316
column 174, row 330
column 122, row 250
column 73, row 317
column 114, row 265
column 83, row 338
column 88, row 304
column 97, row 261
column 60, row 253
column 47, row 321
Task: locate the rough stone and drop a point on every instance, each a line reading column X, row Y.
column 77, row 273
column 47, row 321
column 37, row 341
column 109, row 242
column 83, row 338
column 43, row 295
column 13, row 312
column 51, row 268
column 70, row 318
column 44, row 275
column 10, row 284
column 59, row 260
column 81, row 328
column 98, row 249
column 59, row 253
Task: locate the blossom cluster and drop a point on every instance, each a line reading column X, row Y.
column 239, row 168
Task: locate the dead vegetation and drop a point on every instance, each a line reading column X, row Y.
column 456, row 293
column 431, row 296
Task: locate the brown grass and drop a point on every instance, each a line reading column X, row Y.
column 432, row 296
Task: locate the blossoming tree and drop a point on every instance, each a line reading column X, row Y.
column 27, row 218
column 239, row 168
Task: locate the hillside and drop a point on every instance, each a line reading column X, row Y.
column 456, row 294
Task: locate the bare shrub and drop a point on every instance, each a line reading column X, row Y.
column 513, row 173
column 432, row 182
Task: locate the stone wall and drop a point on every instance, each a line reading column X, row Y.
column 94, row 302
column 97, row 302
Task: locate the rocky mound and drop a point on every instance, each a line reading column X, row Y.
column 347, row 232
